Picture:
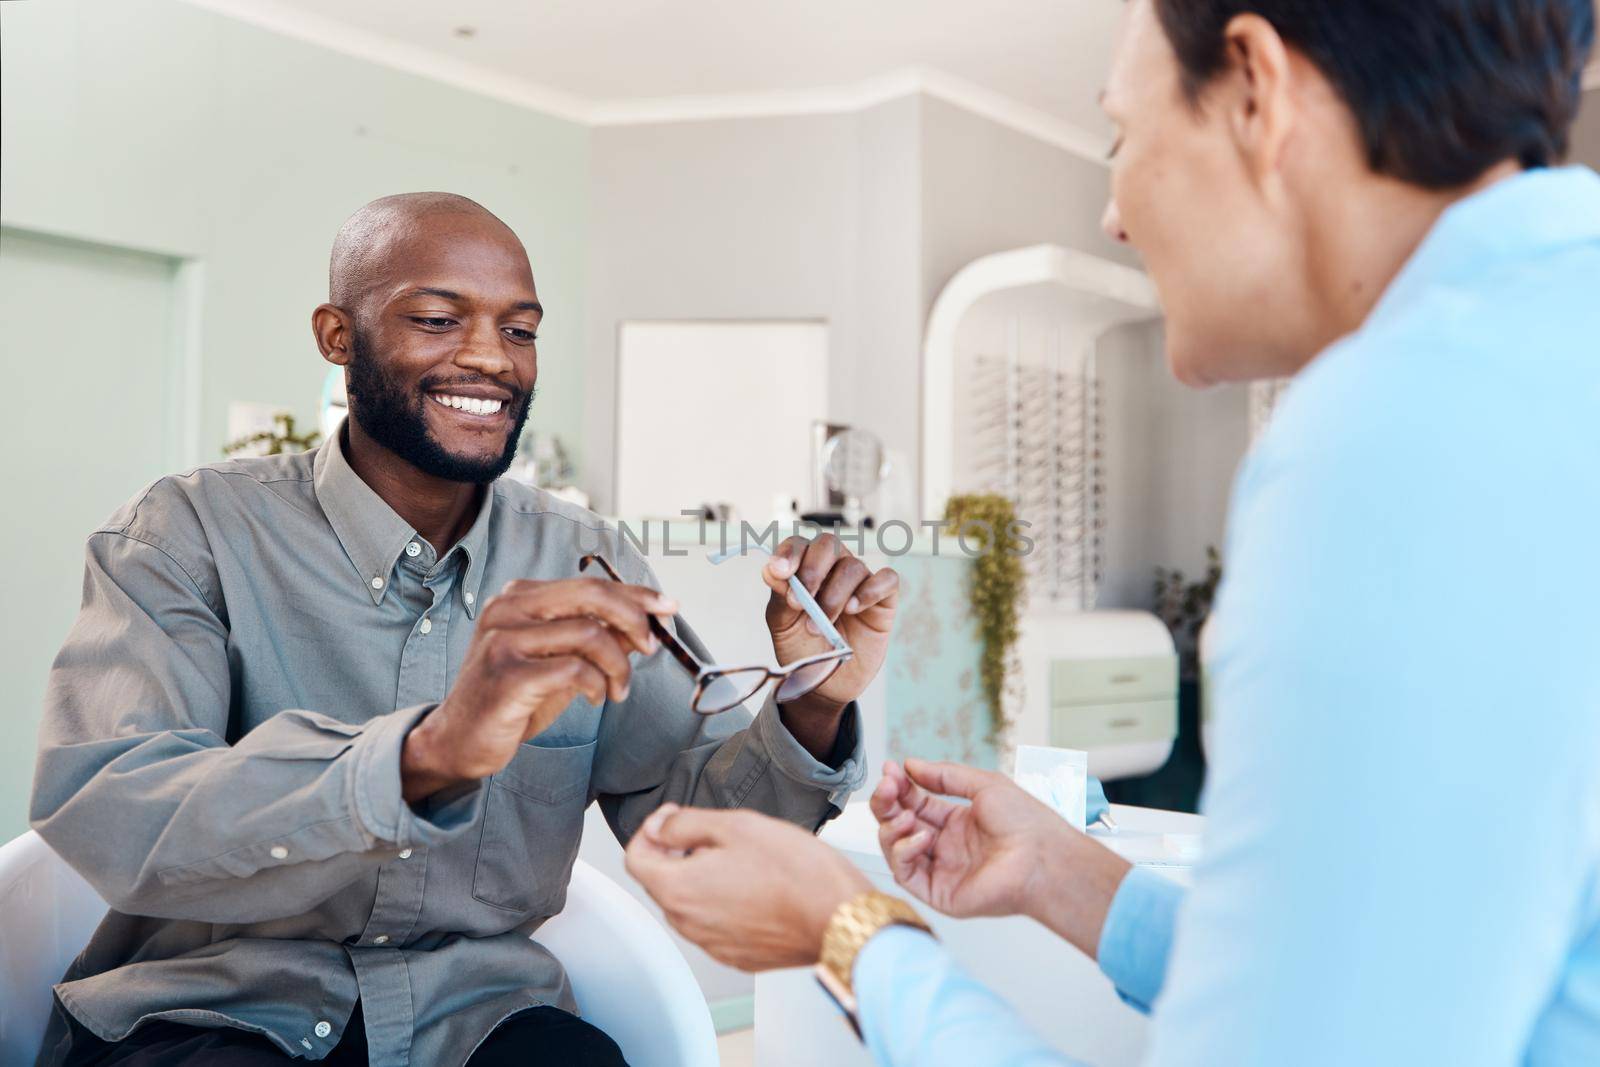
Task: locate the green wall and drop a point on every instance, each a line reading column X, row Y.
column 155, row 125
column 151, row 125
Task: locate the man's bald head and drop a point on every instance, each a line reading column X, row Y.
column 370, row 242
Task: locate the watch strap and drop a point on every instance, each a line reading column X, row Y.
column 853, row 924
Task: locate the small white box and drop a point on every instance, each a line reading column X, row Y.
column 1058, row 777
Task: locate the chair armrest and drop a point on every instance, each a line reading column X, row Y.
column 629, row 978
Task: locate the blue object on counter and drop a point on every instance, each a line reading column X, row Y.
column 1095, row 805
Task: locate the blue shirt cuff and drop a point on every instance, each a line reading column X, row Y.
column 884, row 1006
column 917, row 1007
column 1137, row 936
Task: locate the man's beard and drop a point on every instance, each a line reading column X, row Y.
column 397, row 420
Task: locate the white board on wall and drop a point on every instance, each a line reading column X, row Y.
column 711, row 412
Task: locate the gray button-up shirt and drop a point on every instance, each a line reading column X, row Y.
column 220, row 759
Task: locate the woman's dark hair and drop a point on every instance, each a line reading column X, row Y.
column 1442, row 89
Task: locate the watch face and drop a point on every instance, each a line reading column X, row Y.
column 841, row 997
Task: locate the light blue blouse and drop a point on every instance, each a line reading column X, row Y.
column 1402, row 857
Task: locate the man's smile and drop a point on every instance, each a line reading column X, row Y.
column 477, row 407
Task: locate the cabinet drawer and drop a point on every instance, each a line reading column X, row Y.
column 1100, row 681
column 1099, row 725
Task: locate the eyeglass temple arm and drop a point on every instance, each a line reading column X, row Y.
column 679, row 650
column 801, row 594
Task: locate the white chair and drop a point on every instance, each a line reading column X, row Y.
column 630, row 979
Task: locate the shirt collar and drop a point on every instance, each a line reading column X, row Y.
column 373, row 535
column 1531, row 213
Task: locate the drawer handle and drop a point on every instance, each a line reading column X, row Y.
column 1123, row 679
column 1122, row 724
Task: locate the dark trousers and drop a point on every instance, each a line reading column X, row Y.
column 530, row 1038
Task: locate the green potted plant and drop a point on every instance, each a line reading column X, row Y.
column 1184, row 607
column 278, row 440
column 998, row 589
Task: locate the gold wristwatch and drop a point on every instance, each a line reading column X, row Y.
column 852, row 926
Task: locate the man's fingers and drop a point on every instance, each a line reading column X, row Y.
column 625, row 608
column 776, row 571
column 950, row 779
column 817, row 562
column 810, row 561
column 651, row 600
column 585, row 637
column 813, row 561
column 841, row 584
column 570, row 672
column 881, row 591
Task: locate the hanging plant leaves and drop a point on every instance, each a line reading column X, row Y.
column 987, row 525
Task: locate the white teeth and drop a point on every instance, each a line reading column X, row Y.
column 471, row 405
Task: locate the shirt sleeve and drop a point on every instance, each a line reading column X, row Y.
column 1392, row 649
column 134, row 751
column 654, row 748
column 916, row 1007
column 1137, row 936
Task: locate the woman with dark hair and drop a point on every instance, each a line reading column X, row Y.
column 1402, row 857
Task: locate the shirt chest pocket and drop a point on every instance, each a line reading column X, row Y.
column 532, row 822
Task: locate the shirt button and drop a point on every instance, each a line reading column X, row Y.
column 381, row 939
column 405, row 853
column 377, row 583
column 427, row 625
column 470, row 598
column 279, row 852
column 413, row 549
column 323, row 1029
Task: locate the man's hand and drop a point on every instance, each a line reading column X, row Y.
column 753, row 891
column 538, row 646
column 1004, row 853
column 859, row 601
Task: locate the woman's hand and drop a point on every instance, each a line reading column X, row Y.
column 1004, row 853
column 753, row 891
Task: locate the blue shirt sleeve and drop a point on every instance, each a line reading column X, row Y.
column 916, row 1007
column 1137, row 936
column 1389, row 651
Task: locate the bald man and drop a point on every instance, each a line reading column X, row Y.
column 325, row 729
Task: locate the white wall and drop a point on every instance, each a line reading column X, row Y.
column 988, row 188
column 1170, row 456
column 800, row 217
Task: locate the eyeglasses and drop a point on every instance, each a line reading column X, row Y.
column 718, row 688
